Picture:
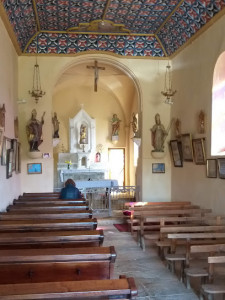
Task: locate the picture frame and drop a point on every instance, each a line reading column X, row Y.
column 199, row 151
column 18, row 158
column 176, row 153
column 34, row 168
column 187, row 149
column 1, row 140
column 158, row 168
column 211, row 168
column 6, row 146
column 221, row 167
column 9, row 162
column 14, row 147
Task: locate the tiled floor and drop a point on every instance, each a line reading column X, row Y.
column 154, row 281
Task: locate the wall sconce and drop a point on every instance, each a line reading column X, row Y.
column 168, row 91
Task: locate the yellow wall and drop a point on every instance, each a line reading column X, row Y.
column 193, row 78
column 149, row 76
column 9, row 188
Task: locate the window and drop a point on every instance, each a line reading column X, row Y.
column 218, row 108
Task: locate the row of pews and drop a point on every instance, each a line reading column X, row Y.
column 52, row 249
column 190, row 239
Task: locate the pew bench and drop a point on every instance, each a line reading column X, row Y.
column 47, row 225
column 54, row 264
column 48, row 208
column 45, row 215
column 53, row 239
column 201, row 271
column 188, row 239
column 143, row 217
column 213, row 288
column 49, row 202
column 123, row 288
column 130, row 205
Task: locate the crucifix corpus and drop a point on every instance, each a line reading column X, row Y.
column 96, row 69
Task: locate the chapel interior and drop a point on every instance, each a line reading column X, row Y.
column 98, row 59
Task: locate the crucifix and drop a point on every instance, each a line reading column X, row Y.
column 96, row 69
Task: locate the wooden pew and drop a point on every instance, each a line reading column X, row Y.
column 48, row 265
column 189, row 239
column 50, row 202
column 54, row 239
column 200, row 271
column 143, row 217
column 47, row 225
column 123, row 288
column 41, row 194
column 46, row 215
column 130, row 205
column 39, row 209
column 40, row 197
column 213, row 288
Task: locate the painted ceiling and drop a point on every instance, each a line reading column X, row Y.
column 147, row 28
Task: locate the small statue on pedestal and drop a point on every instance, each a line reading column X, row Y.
column 158, row 135
column 55, row 123
column 34, row 131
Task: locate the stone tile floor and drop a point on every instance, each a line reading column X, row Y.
column 154, row 281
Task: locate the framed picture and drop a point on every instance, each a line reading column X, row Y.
column 199, row 151
column 158, row 168
column 221, row 167
column 176, row 152
column 187, row 149
column 211, row 168
column 18, row 158
column 1, row 140
column 9, row 161
column 34, row 168
column 14, row 147
column 6, row 146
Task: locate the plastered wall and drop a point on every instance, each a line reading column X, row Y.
column 149, row 74
column 9, row 188
column 193, row 78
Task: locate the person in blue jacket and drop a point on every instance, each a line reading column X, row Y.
column 70, row 191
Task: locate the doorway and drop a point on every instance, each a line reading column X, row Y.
column 117, row 165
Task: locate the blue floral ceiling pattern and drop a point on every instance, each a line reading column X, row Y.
column 148, row 28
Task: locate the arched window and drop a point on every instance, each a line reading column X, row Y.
column 218, row 108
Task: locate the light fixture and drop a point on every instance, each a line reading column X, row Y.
column 36, row 90
column 168, row 91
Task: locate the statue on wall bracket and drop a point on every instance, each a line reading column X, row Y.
column 115, row 121
column 34, row 131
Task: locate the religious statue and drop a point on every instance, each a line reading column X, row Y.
column 55, row 123
column 159, row 134
column 134, row 124
column 2, row 117
column 83, row 134
column 34, row 131
column 115, row 125
column 201, row 122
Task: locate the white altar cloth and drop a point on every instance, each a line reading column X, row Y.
column 105, row 183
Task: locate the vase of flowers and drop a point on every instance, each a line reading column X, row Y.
column 69, row 163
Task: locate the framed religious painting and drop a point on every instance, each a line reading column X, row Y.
column 1, row 140
column 158, row 168
column 211, row 168
column 35, row 168
column 14, row 147
column 187, row 150
column 199, row 151
column 18, row 158
column 5, row 146
column 9, row 162
column 176, row 153
column 221, row 167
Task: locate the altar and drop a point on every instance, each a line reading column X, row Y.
column 80, row 163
